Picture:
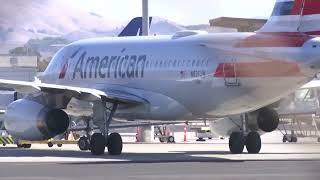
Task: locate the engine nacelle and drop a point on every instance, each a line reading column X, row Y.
column 29, row 120
column 268, row 119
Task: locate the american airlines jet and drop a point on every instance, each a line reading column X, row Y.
column 186, row 76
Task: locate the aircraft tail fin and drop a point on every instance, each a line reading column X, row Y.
column 134, row 27
column 294, row 16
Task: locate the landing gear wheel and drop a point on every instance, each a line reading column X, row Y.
column 3, row 144
column 83, row 143
column 284, row 139
column 97, row 144
column 115, row 144
column 59, row 145
column 19, row 145
column 27, row 146
column 253, row 143
column 200, row 140
column 294, row 139
column 236, row 143
column 170, row 139
column 50, row 144
column 161, row 139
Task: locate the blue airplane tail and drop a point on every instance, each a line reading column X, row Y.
column 134, row 28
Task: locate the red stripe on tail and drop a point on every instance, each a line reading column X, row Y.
column 297, row 7
column 311, row 7
column 277, row 39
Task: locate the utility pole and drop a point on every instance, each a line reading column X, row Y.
column 145, row 17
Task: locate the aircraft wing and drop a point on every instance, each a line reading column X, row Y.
column 111, row 95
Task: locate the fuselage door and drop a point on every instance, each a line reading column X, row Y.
column 230, row 73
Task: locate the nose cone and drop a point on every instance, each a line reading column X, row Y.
column 310, row 57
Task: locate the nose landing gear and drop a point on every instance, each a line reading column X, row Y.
column 99, row 141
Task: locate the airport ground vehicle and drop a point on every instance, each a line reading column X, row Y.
column 164, row 134
column 204, row 133
column 5, row 138
column 299, row 113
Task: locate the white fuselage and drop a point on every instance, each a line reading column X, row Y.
column 198, row 76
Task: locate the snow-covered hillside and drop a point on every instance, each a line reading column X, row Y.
column 21, row 20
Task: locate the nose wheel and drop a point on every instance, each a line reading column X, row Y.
column 98, row 144
column 114, row 144
column 99, row 141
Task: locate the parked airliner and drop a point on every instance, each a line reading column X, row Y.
column 186, row 76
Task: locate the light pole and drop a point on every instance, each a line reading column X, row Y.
column 145, row 17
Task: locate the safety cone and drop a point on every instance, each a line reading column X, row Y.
column 137, row 135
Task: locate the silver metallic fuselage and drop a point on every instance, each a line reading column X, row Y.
column 179, row 77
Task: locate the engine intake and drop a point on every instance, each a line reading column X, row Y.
column 268, row 119
column 29, row 120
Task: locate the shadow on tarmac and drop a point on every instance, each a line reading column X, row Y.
column 170, row 157
column 127, row 158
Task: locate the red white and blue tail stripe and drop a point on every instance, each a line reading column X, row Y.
column 294, row 16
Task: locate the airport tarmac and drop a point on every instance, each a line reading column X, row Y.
column 210, row 160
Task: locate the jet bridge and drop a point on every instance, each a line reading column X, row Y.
column 300, row 115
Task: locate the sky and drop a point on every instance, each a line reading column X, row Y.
column 184, row 12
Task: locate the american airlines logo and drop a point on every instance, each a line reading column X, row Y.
column 64, row 69
column 124, row 66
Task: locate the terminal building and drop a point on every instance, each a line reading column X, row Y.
column 18, row 67
column 15, row 67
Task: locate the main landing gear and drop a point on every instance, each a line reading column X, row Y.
column 239, row 140
column 99, row 141
column 290, row 138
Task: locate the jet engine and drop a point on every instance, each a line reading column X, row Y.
column 268, row 119
column 29, row 120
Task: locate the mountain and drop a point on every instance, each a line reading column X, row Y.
column 42, row 24
column 24, row 20
column 160, row 26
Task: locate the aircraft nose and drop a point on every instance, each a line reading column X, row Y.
column 310, row 56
